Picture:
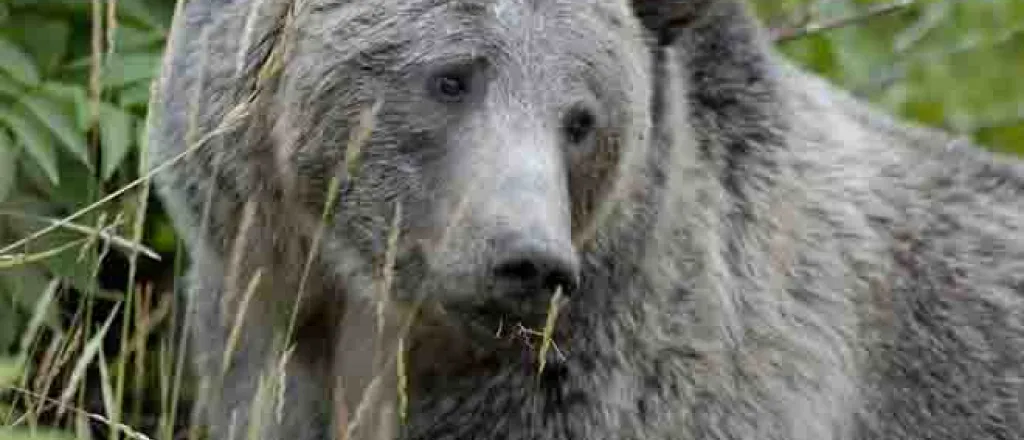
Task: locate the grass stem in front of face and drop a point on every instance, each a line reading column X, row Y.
column 403, row 381
column 127, row 430
column 236, row 329
column 549, row 328
column 89, row 352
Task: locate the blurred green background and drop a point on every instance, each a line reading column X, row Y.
column 83, row 310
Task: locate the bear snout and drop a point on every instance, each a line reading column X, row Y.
column 536, row 266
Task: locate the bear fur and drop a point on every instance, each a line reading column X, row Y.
column 759, row 254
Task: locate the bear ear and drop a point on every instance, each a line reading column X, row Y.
column 663, row 18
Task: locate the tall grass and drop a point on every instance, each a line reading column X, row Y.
column 68, row 381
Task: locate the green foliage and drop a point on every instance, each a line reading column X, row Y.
column 41, row 434
column 46, row 68
column 950, row 64
column 73, row 99
column 70, row 121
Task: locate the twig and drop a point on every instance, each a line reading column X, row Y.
column 93, row 416
column 787, row 34
column 116, row 240
column 898, row 70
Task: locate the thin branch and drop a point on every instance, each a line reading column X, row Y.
column 898, row 70
column 102, row 233
column 787, row 34
column 931, row 18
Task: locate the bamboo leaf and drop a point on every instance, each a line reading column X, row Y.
column 74, row 95
column 44, row 38
column 116, row 134
column 60, row 124
column 8, row 158
column 10, row 371
column 17, row 63
column 34, row 139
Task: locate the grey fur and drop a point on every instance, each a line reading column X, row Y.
column 761, row 255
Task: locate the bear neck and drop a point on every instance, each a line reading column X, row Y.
column 707, row 248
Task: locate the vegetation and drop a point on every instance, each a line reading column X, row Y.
column 87, row 342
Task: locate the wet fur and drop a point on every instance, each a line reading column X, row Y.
column 779, row 260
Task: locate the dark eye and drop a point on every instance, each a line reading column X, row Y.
column 451, row 86
column 578, row 124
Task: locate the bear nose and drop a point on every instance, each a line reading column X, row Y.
column 539, row 267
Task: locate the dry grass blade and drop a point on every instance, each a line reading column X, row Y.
column 282, row 382
column 96, row 65
column 105, row 390
column 361, row 413
column 238, row 253
column 127, row 430
column 9, row 261
column 57, row 356
column 236, row 329
column 332, row 198
column 387, row 276
column 403, row 381
column 29, row 335
column 88, row 353
column 38, row 316
column 82, row 431
column 549, row 328
column 101, row 233
column 367, row 122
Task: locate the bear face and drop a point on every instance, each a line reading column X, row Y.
column 497, row 130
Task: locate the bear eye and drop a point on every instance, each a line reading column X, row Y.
column 450, row 86
column 578, row 124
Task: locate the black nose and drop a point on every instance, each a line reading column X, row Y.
column 539, row 267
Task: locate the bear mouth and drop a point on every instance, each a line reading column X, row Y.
column 477, row 305
column 493, row 321
column 484, row 338
column 478, row 325
column 516, row 350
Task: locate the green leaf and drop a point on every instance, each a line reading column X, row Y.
column 135, row 95
column 44, row 39
column 116, row 134
column 35, row 434
column 163, row 237
column 34, row 138
column 64, row 5
column 75, row 95
column 17, row 64
column 138, row 10
column 8, row 158
column 122, row 69
column 1008, row 138
column 63, row 126
column 10, row 372
column 9, row 323
column 25, row 284
column 8, row 332
column 78, row 185
column 32, row 176
column 132, row 39
column 9, row 88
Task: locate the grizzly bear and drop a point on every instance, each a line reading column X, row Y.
column 573, row 219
